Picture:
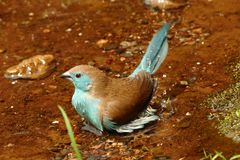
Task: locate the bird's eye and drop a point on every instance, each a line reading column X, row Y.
column 78, row 75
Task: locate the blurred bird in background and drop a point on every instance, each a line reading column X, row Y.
column 119, row 104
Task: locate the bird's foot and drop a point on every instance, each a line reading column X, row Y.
column 92, row 129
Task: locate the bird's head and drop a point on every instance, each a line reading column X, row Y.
column 85, row 77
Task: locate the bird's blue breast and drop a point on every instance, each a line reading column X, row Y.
column 88, row 107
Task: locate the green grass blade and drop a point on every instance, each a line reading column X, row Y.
column 70, row 133
column 206, row 156
column 235, row 157
column 218, row 154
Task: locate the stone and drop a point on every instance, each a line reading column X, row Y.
column 35, row 67
column 100, row 43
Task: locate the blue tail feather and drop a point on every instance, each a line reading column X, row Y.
column 156, row 52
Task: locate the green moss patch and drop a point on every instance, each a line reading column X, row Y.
column 225, row 107
column 235, row 68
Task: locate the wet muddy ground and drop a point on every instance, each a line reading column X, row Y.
column 203, row 42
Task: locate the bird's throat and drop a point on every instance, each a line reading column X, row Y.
column 88, row 107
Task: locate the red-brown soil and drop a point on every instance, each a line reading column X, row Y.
column 28, row 107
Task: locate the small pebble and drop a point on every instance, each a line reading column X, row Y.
column 68, row 30
column 215, row 84
column 9, row 145
column 100, row 43
column 122, row 59
column 127, row 54
column 117, row 75
column 46, row 30
column 197, row 30
column 55, row 122
column 126, row 44
column 52, row 87
column 210, row 63
column 206, row 34
column 2, row 50
column 184, row 83
column 14, row 82
column 31, row 14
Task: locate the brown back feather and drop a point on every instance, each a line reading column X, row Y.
column 126, row 97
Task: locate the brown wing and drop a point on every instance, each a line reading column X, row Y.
column 128, row 97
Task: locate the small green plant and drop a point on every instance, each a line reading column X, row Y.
column 70, row 133
column 218, row 156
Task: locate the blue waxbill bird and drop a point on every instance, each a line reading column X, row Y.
column 118, row 104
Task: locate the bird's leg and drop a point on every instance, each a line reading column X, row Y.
column 88, row 127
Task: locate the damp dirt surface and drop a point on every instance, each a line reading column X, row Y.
column 203, row 41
